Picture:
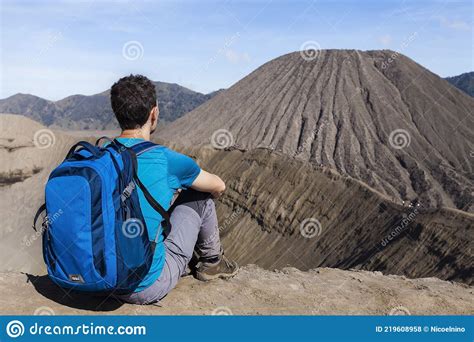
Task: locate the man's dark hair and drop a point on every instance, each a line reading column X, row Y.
column 132, row 98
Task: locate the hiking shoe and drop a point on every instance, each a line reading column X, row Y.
column 192, row 265
column 223, row 269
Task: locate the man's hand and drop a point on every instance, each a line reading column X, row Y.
column 207, row 182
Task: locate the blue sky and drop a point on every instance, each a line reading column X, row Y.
column 58, row 48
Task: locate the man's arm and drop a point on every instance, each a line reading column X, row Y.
column 208, row 182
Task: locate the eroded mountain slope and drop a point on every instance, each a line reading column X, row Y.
column 273, row 206
column 376, row 116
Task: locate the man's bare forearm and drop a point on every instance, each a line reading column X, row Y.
column 208, row 182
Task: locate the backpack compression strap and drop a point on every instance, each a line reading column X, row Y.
column 97, row 142
column 41, row 209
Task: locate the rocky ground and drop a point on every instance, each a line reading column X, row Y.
column 255, row 291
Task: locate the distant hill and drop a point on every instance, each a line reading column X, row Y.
column 79, row 112
column 465, row 82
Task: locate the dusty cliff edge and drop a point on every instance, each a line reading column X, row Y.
column 254, row 291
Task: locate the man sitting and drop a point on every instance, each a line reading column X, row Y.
column 164, row 173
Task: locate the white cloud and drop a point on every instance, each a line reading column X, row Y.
column 453, row 24
column 385, row 40
column 121, row 28
column 236, row 57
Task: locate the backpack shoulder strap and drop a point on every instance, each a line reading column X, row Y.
column 155, row 205
column 136, row 150
column 143, row 147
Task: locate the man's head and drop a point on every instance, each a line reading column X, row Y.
column 134, row 103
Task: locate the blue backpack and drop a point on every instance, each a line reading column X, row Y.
column 94, row 234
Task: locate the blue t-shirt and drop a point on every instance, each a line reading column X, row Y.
column 163, row 172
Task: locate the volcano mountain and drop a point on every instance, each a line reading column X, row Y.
column 375, row 116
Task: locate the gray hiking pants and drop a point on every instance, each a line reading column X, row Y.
column 194, row 227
